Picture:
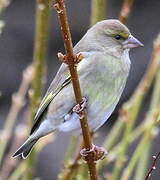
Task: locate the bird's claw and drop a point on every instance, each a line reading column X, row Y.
column 80, row 107
column 95, row 153
column 63, row 58
column 85, row 152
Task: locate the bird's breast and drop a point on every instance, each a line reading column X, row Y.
column 102, row 79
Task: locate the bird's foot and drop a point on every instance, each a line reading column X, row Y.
column 95, row 153
column 78, row 108
column 63, row 58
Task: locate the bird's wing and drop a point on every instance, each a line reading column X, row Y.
column 61, row 76
column 61, row 79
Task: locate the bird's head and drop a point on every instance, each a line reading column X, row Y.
column 113, row 36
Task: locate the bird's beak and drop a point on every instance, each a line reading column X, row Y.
column 131, row 42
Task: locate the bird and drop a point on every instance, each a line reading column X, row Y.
column 102, row 72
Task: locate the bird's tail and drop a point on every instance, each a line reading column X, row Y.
column 25, row 149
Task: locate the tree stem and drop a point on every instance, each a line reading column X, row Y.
column 62, row 16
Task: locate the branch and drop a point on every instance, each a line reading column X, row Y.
column 155, row 101
column 62, row 16
column 18, row 101
column 143, row 162
column 19, row 171
column 126, row 10
column 9, row 163
column 39, row 55
column 98, row 8
column 70, row 166
column 153, row 166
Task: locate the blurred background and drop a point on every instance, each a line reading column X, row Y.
column 16, row 52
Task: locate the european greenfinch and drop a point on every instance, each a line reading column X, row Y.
column 103, row 72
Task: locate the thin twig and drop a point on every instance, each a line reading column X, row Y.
column 153, row 167
column 62, row 16
column 143, row 161
column 125, row 10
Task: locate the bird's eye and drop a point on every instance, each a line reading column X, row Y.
column 118, row 37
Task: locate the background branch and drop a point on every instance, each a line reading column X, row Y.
column 125, row 10
column 39, row 56
column 18, row 101
column 98, row 11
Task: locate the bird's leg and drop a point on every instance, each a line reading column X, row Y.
column 95, row 153
column 63, row 58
